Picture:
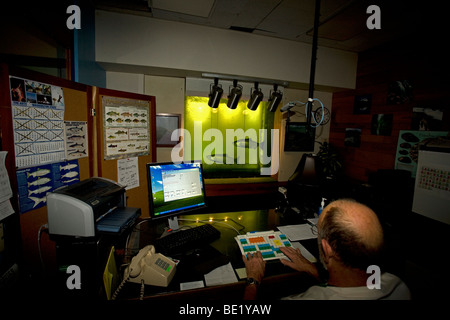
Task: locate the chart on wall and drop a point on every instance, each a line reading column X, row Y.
column 34, row 183
column 38, row 122
column 126, row 128
column 408, row 148
column 76, row 139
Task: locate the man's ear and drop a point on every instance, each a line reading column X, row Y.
column 327, row 250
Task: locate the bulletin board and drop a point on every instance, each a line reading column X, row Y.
column 130, row 140
column 43, row 125
column 84, row 124
column 40, row 107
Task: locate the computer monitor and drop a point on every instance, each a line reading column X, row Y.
column 300, row 136
column 175, row 188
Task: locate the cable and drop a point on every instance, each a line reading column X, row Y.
column 292, row 104
column 141, row 297
column 125, row 280
column 323, row 113
column 39, row 245
column 136, row 227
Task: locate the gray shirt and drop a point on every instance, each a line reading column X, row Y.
column 392, row 288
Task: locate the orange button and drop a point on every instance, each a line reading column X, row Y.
column 256, row 239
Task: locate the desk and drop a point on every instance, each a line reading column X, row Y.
column 279, row 281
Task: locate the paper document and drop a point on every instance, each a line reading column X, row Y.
column 221, row 275
column 5, row 186
column 6, row 209
column 304, row 252
column 191, row 285
column 299, row 232
column 6, row 193
column 128, row 173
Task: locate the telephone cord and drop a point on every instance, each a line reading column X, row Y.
column 125, row 280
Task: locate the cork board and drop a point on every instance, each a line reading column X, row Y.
column 117, row 103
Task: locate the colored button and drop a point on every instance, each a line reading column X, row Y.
column 249, row 248
column 268, row 254
column 256, row 239
column 264, row 246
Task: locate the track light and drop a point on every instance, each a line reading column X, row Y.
column 215, row 94
column 234, row 95
column 275, row 98
column 256, row 97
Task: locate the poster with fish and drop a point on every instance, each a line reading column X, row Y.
column 34, row 183
column 38, row 122
column 76, row 139
column 408, row 148
column 126, row 128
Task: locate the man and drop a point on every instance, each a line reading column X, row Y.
column 350, row 239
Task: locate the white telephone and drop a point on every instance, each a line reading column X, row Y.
column 153, row 268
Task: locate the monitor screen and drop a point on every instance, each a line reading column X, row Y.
column 175, row 188
column 300, row 136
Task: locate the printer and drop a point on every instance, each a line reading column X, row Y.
column 89, row 207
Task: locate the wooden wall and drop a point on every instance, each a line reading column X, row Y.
column 423, row 67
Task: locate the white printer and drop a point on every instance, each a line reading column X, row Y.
column 88, row 207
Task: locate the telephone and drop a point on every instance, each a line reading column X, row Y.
column 153, row 268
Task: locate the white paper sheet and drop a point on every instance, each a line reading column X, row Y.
column 5, row 186
column 304, row 252
column 298, row 232
column 127, row 172
column 221, row 275
column 6, row 209
column 191, row 285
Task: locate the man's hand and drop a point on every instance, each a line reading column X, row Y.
column 298, row 261
column 255, row 266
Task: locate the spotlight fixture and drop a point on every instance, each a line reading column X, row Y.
column 275, row 98
column 255, row 97
column 234, row 95
column 215, row 94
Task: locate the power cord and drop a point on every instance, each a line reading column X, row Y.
column 42, row 228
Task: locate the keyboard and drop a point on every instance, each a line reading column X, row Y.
column 188, row 239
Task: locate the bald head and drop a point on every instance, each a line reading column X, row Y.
column 353, row 232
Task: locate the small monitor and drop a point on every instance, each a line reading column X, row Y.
column 300, row 136
column 175, row 188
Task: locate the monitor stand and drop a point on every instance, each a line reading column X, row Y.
column 173, row 223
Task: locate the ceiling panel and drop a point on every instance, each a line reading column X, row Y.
column 200, row 8
column 342, row 22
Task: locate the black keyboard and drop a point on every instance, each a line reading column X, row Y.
column 188, row 239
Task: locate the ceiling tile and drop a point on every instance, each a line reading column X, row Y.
column 200, row 8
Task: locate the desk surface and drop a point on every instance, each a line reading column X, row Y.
column 229, row 224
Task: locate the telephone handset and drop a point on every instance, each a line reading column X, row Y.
column 153, row 268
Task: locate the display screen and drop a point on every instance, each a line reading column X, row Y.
column 300, row 136
column 175, row 188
